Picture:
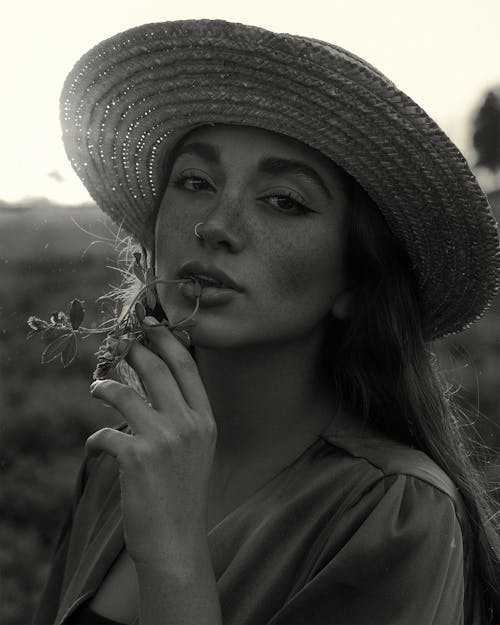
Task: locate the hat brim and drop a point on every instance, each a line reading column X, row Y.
column 127, row 101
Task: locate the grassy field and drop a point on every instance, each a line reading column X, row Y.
column 46, row 412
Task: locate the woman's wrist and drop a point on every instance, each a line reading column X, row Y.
column 178, row 542
column 177, row 551
column 179, row 587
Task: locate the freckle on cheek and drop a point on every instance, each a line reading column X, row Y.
column 292, row 272
column 296, row 277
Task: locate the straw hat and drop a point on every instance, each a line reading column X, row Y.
column 128, row 101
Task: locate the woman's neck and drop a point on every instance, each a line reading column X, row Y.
column 266, row 396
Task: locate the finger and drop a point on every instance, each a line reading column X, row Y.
column 180, row 362
column 109, row 441
column 159, row 383
column 127, row 401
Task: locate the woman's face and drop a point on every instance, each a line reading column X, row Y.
column 271, row 210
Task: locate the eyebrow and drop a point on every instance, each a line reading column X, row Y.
column 206, row 151
column 271, row 165
column 275, row 166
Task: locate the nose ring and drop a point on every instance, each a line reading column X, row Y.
column 196, row 234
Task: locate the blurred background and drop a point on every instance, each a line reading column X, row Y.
column 445, row 54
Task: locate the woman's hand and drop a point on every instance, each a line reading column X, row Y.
column 165, row 463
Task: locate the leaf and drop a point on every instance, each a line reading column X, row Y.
column 37, row 324
column 55, row 348
column 150, row 299
column 150, row 276
column 139, row 273
column 51, row 334
column 108, row 309
column 64, row 319
column 69, row 352
column 140, row 311
column 59, row 318
column 76, row 314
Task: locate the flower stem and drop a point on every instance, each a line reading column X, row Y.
column 183, row 322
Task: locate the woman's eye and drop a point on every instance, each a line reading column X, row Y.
column 192, row 183
column 287, row 203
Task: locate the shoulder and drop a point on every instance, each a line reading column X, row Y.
column 385, row 459
column 392, row 547
column 396, row 495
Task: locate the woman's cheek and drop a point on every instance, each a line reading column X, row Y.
column 308, row 280
column 171, row 241
column 301, row 269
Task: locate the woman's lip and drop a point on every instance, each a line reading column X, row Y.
column 192, row 269
column 210, row 295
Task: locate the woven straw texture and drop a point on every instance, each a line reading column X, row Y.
column 128, row 100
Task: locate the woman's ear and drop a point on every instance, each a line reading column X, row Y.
column 343, row 306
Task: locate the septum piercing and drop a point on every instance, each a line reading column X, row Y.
column 196, row 234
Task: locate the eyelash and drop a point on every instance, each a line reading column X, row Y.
column 179, row 182
column 298, row 207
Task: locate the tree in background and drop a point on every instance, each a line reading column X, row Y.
column 486, row 133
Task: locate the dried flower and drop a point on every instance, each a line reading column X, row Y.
column 59, row 334
column 113, row 349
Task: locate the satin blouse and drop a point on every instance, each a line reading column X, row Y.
column 358, row 529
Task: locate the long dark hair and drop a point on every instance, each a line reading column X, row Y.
column 384, row 369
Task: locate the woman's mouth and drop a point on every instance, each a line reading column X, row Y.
column 209, row 291
column 208, row 283
column 209, row 277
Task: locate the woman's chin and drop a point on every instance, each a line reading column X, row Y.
column 214, row 336
column 203, row 331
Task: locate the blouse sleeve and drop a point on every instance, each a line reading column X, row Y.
column 49, row 599
column 402, row 564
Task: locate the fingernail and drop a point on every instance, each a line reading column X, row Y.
column 94, row 385
column 150, row 321
column 183, row 337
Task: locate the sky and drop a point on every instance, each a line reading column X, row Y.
column 444, row 53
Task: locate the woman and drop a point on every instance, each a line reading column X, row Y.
column 300, row 462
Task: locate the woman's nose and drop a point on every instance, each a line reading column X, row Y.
column 222, row 226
